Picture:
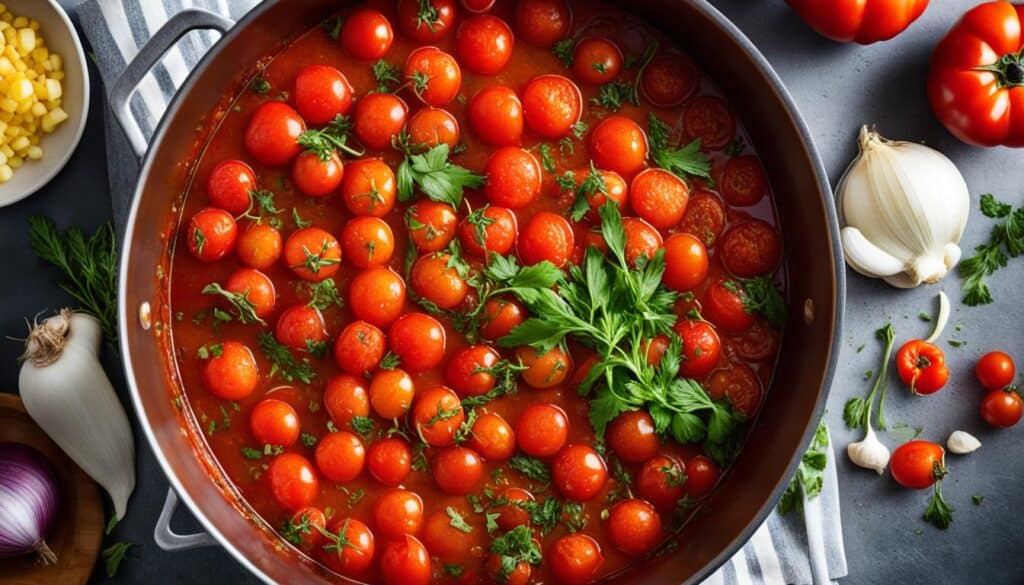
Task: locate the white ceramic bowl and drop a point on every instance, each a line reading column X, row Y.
column 61, row 38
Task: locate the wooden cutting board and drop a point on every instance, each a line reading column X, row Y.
column 78, row 531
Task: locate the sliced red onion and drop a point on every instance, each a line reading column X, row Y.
column 29, row 501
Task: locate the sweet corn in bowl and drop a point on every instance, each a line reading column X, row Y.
column 44, row 94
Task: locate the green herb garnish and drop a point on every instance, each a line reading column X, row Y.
column 437, row 177
column 685, row 162
column 809, row 477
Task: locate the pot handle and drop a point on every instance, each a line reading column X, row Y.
column 149, row 55
column 170, row 540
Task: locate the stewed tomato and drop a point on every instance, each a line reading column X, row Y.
column 484, row 44
column 378, row 117
column 709, row 120
column 578, row 472
column 634, row 527
column 513, row 178
column 511, row 513
column 596, row 60
column 251, row 287
column 228, row 186
column 478, row 6
column 391, row 393
column 541, row 430
column 366, row 34
column 272, row 135
column 740, row 385
column 686, row 262
column 547, row 236
column 500, row 316
column 418, row 340
column 661, row 481
column 211, row 234
column 457, row 470
column 293, row 481
column 631, row 436
column 300, row 326
column 431, row 225
column 701, row 476
column 316, row 176
column 340, row 456
column 259, row 246
column 552, row 105
column 321, row 93
column 496, row 115
column 575, row 559
column 434, row 75
column 542, row 22
column 345, row 398
column 743, row 181
column 751, row 248
column 359, row 348
column 431, row 126
column 701, row 347
column 274, row 422
column 398, row 512
column 724, row 305
column 453, row 543
column 490, row 229
column 389, row 460
column 425, row 21
column 434, row 278
column 377, row 296
column 659, row 197
column 351, row 553
column 367, row 242
column 641, row 239
column 492, row 437
column 436, row 416
column 669, row 79
column 405, row 561
column 497, row 571
column 368, row 187
column 470, row 372
column 545, row 370
column 704, row 217
column 606, row 186
column 312, row 254
column 618, row 144
column 304, row 528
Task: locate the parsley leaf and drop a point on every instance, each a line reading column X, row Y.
column 514, row 547
column 260, row 85
column 323, row 294
column 992, row 207
column 386, row 74
column 284, row 363
column 565, row 51
column 530, row 467
column 612, row 95
column 332, row 137
column 1005, row 241
column 435, row 176
column 685, row 162
column 114, row 554
column 240, row 301
column 809, row 476
column 938, row 513
column 457, row 521
column 759, row 295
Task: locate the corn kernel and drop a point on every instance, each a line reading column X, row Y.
column 6, row 172
column 38, row 110
column 3, row 159
column 54, row 89
column 21, row 143
column 15, row 162
column 34, row 153
column 26, row 40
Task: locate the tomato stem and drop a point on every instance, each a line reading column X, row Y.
column 1008, row 69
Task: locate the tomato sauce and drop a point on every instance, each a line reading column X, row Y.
column 200, row 328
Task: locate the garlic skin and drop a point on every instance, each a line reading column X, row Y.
column 962, row 443
column 904, row 207
column 869, row 452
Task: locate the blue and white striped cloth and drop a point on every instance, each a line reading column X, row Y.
column 777, row 554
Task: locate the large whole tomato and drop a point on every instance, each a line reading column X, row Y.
column 976, row 84
column 862, row 21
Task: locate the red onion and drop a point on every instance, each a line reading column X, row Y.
column 29, row 501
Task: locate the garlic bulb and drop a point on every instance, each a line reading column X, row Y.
column 962, row 443
column 869, row 452
column 904, row 207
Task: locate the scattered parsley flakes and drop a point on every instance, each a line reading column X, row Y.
column 514, row 547
column 284, row 363
column 386, row 74
column 977, row 499
column 530, row 467
column 612, row 95
column 260, row 85
column 457, row 521
column 564, row 50
column 240, row 301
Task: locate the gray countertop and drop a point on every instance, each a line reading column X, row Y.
column 837, row 87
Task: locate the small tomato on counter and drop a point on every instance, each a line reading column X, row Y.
column 860, row 21
column 922, row 366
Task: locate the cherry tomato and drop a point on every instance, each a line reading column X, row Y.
column 274, row 422
column 641, row 239
column 457, row 470
column 614, row 190
column 862, row 21
column 513, row 178
column 489, row 229
column 596, row 60
column 484, row 44
column 578, row 473
column 434, row 74
column 995, row 370
column 922, row 366
column 618, row 144
column 450, row 543
column 389, row 460
column 352, row 554
column 542, row 430
column 436, row 416
column 418, row 340
column 211, row 234
column 378, row 117
column 228, row 186
column 321, row 94
column 345, row 398
column 669, row 79
column 492, row 437
column 425, row 22
column 1001, row 407
column 708, row 119
column 435, row 280
column 634, row 527
column 631, row 435
column 312, row 254
column 500, row 316
column 431, row 126
column 701, row 347
column 704, row 217
column 552, row 105
column 367, row 242
column 544, row 370
column 751, row 248
column 686, row 262
column 496, row 115
column 405, row 561
column 656, row 348
column 659, row 197
column 467, row 372
column 661, row 481
column 547, row 236
column 542, row 22
column 255, row 287
column 316, row 177
column 293, row 481
column 431, row 225
column 366, row 35
column 740, row 385
column 231, row 373
column 368, row 187
column 723, row 305
column 398, row 512
column 512, row 513
column 271, row 135
column 575, row 559
column 391, row 393
column 377, row 296
column 259, row 246
column 701, row 476
column 300, row 325
column 340, row 456
column 497, row 572
column 758, row 342
column 478, row 6
column 918, row 464
column 304, row 525
column 359, row 348
column 743, row 181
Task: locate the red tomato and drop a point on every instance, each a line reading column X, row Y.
column 431, row 225
column 492, row 437
column 345, row 398
column 259, row 246
column 542, row 22
column 614, row 190
column 862, row 21
column 368, row 187
column 500, row 316
column 497, row 572
column 359, row 348
column 661, row 480
column 450, row 543
column 631, row 435
column 231, row 373
column 669, row 79
column 752, row 248
column 321, row 94
column 634, row 527
column 352, row 553
column 701, row 347
column 723, row 305
column 418, row 340
column 391, row 393
column 575, row 559
column 211, row 234
column 484, row 44
column 389, row 460
column 457, row 470
column 316, row 177
column 434, row 74
column 304, row 526
column 367, row 242
column 544, row 370
column 293, row 481
column 271, row 135
column 255, row 287
column 398, row 512
column 496, row 115
column 740, row 385
column 436, row 281
column 489, row 229
column 686, row 262
column 708, row 119
column 274, row 422
column 542, row 429
column 312, row 254
column 995, row 370
column 366, row 35
column 596, row 60
column 512, row 514
column 552, row 105
column 405, row 561
column 918, row 464
column 701, row 476
column 758, row 342
column 578, row 473
column 379, row 117
column 656, row 348
column 300, row 325
column 377, row 296
column 228, row 186
column 468, row 371
column 659, row 197
column 641, row 239
column 477, row 6
column 436, row 416
column 618, row 144
column 743, row 182
column 547, row 236
column 513, row 178
column 425, row 22
column 704, row 217
column 1002, row 408
column 340, row 456
column 431, row 126
column 922, row 366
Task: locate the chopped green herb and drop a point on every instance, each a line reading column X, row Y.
column 685, row 162
column 530, row 467
column 362, row 425
column 332, row 26
column 457, row 521
column 250, row 453
column 299, row 222
column 977, row 499
column 924, row 317
column 437, row 177
column 284, row 363
column 114, row 554
column 612, row 95
column 564, row 50
column 386, row 74
column 308, row 439
column 760, row 295
column 323, row 294
column 1005, row 241
column 514, row 547
column 259, row 84
column 332, row 137
column 240, row 301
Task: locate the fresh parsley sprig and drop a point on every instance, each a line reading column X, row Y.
column 284, row 363
column 386, row 74
column 685, row 162
column 1005, row 241
column 332, row 137
column 240, row 301
column 436, row 176
column 514, row 547
column 809, row 477
column 759, row 295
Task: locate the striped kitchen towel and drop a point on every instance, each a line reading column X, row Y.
column 777, row 554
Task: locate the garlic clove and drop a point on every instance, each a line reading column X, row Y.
column 867, row 258
column 869, row 453
column 962, row 443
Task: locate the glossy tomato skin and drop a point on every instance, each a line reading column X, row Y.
column 708, row 119
column 669, row 79
column 511, row 514
column 369, row 187
column 418, row 340
column 398, row 512
column 233, row 374
column 359, row 348
column 340, row 456
column 545, row 370
column 701, row 347
column 542, row 22
column 740, row 385
column 428, row 27
column 355, row 556
column 312, row 253
column 316, row 177
column 551, row 105
column 634, row 527
column 701, row 477
column 378, row 117
column 270, row 137
column 615, row 190
column 500, row 316
column 449, row 543
column 300, row 325
column 434, row 74
column 389, row 460
column 434, row 280
column 995, row 370
column 254, row 286
column 922, row 367
column 575, row 559
column 431, row 126
column 367, row 242
column 917, row 464
column 321, row 93
column 211, row 234
column 860, row 21
column 618, row 144
column 659, row 197
column 366, row 35
column 310, row 538
column 274, row 422
column 484, row 44
column 477, row 6
column 496, row 115
column 377, row 296
column 498, row 227
column 228, row 186
column 542, row 430
column 547, row 236
column 457, row 470
column 723, row 306
column 492, row 437
column 751, row 248
column 432, row 225
column 391, row 393
column 686, row 262
column 467, row 371
column 641, row 239
column 661, row 481
column 513, row 178
column 596, row 60
column 293, row 481
column 259, row 246
column 1002, row 408
column 345, row 398
column 405, row 561
column 578, row 473
column 436, row 415
column 631, row 435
